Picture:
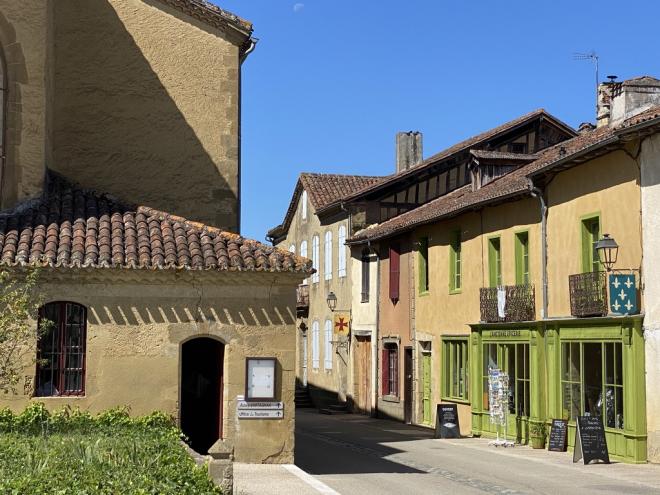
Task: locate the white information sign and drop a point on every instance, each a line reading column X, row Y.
column 260, row 378
column 242, row 405
column 260, row 414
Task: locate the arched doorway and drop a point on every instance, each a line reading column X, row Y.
column 201, row 392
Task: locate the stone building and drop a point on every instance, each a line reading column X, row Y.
column 316, row 226
column 120, row 181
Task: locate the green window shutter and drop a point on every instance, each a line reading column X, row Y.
column 494, row 262
column 423, row 264
column 455, row 364
column 522, row 258
column 455, row 275
column 590, row 235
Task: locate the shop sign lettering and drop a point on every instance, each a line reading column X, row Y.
column 505, row 333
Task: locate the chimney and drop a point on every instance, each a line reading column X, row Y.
column 408, row 150
column 634, row 96
column 603, row 108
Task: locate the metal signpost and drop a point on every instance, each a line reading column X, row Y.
column 498, row 403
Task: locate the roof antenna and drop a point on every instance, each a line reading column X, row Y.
column 593, row 56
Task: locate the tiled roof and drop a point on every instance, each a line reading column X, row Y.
column 324, row 191
column 463, row 146
column 501, row 155
column 72, row 227
column 210, row 14
column 514, row 184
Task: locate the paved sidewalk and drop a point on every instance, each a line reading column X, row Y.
column 276, row 479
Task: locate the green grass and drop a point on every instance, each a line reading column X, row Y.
column 72, row 453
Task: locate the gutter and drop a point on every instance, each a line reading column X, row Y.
column 537, row 193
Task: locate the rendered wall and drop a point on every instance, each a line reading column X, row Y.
column 325, row 386
column 649, row 159
column 136, row 329
column 24, row 40
column 146, row 107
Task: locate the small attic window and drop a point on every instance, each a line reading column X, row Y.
column 518, row 147
column 303, row 205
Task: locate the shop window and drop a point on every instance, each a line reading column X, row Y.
column 522, row 258
column 390, row 369
column 341, row 251
column 494, row 262
column 455, row 368
column 327, row 345
column 590, row 235
column 514, row 360
column 455, row 275
column 315, row 258
column 315, row 345
column 394, row 272
column 592, row 381
column 61, row 350
column 423, row 264
column 365, row 275
column 327, row 267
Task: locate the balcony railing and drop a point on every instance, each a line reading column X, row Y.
column 588, row 293
column 302, row 297
column 517, row 300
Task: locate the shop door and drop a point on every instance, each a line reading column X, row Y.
column 407, row 385
column 426, row 387
column 514, row 359
column 363, row 375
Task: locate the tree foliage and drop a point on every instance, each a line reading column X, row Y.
column 19, row 309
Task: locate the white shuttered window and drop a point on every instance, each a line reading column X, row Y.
column 341, row 251
column 303, row 205
column 327, row 271
column 327, row 351
column 303, row 253
column 315, row 345
column 315, row 258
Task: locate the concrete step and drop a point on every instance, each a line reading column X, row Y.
column 341, row 406
column 333, row 411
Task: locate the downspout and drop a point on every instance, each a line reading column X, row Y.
column 537, row 193
column 252, row 44
column 375, row 340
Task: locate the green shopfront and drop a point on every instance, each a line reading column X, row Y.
column 564, row 369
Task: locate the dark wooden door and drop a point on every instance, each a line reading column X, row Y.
column 407, row 385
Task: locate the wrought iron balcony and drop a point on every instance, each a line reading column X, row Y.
column 518, row 301
column 588, row 294
column 302, row 298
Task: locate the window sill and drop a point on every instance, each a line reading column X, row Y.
column 456, row 400
column 424, row 293
column 454, row 291
column 390, row 398
column 55, row 397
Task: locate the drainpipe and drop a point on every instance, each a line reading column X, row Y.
column 375, row 340
column 537, row 193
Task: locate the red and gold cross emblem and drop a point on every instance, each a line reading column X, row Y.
column 342, row 323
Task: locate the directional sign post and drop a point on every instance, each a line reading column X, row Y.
column 623, row 294
column 259, row 410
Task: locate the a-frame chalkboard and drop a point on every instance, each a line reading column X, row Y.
column 558, row 435
column 446, row 422
column 590, row 442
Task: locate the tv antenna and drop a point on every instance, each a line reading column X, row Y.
column 593, row 57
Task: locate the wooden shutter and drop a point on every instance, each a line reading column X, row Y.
column 385, row 370
column 394, row 272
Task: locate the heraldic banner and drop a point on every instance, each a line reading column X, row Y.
column 342, row 323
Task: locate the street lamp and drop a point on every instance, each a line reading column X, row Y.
column 332, row 301
column 608, row 250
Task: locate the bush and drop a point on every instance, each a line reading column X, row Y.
column 72, row 452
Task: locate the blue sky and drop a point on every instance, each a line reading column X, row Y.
column 332, row 81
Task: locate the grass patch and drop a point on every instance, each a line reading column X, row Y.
column 70, row 452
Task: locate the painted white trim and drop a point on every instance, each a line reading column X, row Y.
column 318, row 485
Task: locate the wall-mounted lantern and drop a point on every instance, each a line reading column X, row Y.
column 332, row 301
column 608, row 251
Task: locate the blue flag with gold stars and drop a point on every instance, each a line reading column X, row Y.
column 623, row 294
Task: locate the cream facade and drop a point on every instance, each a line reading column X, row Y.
column 138, row 325
column 98, row 90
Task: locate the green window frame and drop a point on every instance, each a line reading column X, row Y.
column 455, row 368
column 455, row 268
column 513, row 358
column 522, row 258
column 592, row 381
column 494, row 261
column 423, row 260
column 590, row 233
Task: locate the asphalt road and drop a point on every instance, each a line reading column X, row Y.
column 359, row 455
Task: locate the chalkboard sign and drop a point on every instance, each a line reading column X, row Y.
column 590, row 443
column 558, row 435
column 446, row 422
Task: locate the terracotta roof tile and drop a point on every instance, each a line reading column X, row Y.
column 514, row 184
column 73, row 227
column 210, row 14
column 324, row 191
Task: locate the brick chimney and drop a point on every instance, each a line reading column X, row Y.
column 408, row 150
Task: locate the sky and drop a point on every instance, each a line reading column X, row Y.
column 332, row 81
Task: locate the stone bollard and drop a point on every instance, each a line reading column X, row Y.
column 221, row 467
